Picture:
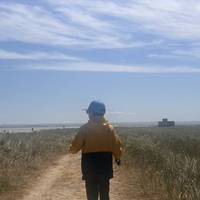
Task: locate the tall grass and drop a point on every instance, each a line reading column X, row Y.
column 22, row 154
column 169, row 159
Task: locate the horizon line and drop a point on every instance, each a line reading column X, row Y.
column 64, row 123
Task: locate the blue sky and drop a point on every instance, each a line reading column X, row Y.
column 140, row 57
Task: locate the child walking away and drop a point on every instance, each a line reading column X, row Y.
column 98, row 142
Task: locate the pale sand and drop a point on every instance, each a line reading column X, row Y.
column 62, row 181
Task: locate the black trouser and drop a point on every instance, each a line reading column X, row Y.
column 96, row 188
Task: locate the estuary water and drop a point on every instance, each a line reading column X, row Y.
column 35, row 127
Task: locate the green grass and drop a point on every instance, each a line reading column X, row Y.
column 22, row 154
column 169, row 159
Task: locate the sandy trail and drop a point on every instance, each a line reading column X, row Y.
column 62, row 181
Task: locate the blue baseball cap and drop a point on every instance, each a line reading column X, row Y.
column 97, row 108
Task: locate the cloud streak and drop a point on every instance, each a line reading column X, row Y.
column 99, row 24
column 11, row 55
column 98, row 67
column 121, row 113
column 70, row 27
column 112, row 25
column 179, row 53
column 174, row 19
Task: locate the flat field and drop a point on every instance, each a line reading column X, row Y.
column 168, row 158
column 23, row 156
column 164, row 162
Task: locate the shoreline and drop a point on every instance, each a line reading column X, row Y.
column 32, row 129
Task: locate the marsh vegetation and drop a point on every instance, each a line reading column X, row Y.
column 168, row 159
column 23, row 155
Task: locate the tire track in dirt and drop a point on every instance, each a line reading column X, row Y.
column 62, row 181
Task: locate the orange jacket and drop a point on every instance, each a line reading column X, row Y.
column 98, row 135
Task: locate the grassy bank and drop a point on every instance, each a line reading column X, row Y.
column 169, row 160
column 23, row 155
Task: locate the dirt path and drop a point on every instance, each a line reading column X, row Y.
column 62, row 181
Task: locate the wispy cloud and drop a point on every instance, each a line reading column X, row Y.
column 98, row 24
column 161, row 55
column 70, row 27
column 85, row 24
column 32, row 24
column 10, row 55
column 190, row 52
column 98, row 67
column 121, row 113
column 172, row 19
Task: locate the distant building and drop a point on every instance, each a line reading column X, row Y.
column 166, row 123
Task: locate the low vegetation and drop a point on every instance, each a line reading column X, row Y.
column 168, row 158
column 24, row 154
